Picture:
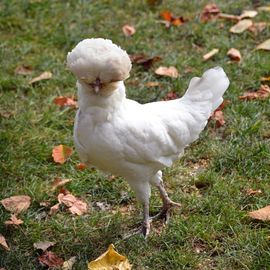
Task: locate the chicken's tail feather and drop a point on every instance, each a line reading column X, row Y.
column 207, row 89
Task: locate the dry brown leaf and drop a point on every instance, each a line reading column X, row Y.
column 210, row 54
column 209, row 12
column 257, row 27
column 67, row 265
column 218, row 117
column 80, row 166
column 152, row 84
column 264, row 46
column 234, row 54
column 241, row 26
column 65, row 101
column 261, row 214
column 75, row 206
column 14, row 221
column 110, row 260
column 51, row 260
column 59, row 182
column 43, row 245
column 228, row 16
column 142, row 59
column 167, row 71
column 61, row 153
column 128, row 30
column 262, row 93
column 16, row 204
column 248, row 14
column 43, row 76
column 251, row 192
column 170, row 19
column 23, row 70
column 54, row 209
column 265, row 79
column 3, row 242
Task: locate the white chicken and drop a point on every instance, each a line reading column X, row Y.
column 133, row 140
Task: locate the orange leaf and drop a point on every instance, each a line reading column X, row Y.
column 209, row 12
column 43, row 76
column 166, row 15
column 51, row 260
column 262, row 93
column 128, row 30
column 14, row 221
column 61, row 153
column 80, row 166
column 65, row 101
column 3, row 242
column 210, row 54
column 234, row 54
column 167, row 71
column 16, row 204
column 261, row 214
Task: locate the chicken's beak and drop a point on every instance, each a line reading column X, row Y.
column 97, row 85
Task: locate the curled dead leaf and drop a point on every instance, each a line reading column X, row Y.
column 3, row 242
column 51, row 260
column 61, row 153
column 234, row 54
column 241, row 26
column 257, row 27
column 170, row 19
column 145, row 61
column 264, row 46
column 167, row 71
column 209, row 12
column 16, row 204
column 210, row 54
column 110, row 260
column 59, row 182
column 43, row 76
column 14, row 221
column 262, row 214
column 54, row 209
column 251, row 192
column 23, row 70
column 128, row 30
column 65, row 102
column 43, row 245
column 218, row 117
column 262, row 93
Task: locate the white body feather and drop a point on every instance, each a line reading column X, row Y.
column 136, row 141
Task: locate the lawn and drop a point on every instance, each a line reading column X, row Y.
column 212, row 230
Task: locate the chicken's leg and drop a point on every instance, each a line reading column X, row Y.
column 167, row 204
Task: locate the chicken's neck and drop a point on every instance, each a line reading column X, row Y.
column 110, row 103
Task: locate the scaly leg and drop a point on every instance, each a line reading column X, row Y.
column 167, row 204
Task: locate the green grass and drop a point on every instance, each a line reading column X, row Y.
column 213, row 219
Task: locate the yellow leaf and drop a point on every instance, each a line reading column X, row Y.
column 110, row 260
column 210, row 54
column 241, row 26
column 167, row 71
column 264, row 46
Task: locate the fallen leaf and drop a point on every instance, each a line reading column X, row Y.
column 264, row 46
column 262, row 93
column 23, row 70
column 167, row 71
column 110, row 260
column 59, row 182
column 170, row 96
column 145, row 61
column 61, row 153
column 218, row 117
column 251, row 192
column 14, row 221
column 264, row 8
column 210, row 54
column 228, row 16
column 241, row 26
column 65, row 102
column 75, row 206
column 51, row 260
column 261, row 214
column 170, row 19
column 248, row 14
column 257, row 27
column 80, row 166
column 67, row 265
column 128, row 30
column 16, row 204
column 234, row 54
column 209, row 12
column 265, row 79
column 152, row 84
column 3, row 242
column 54, row 209
column 43, row 245
column 43, row 76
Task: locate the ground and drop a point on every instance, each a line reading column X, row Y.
column 212, row 229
